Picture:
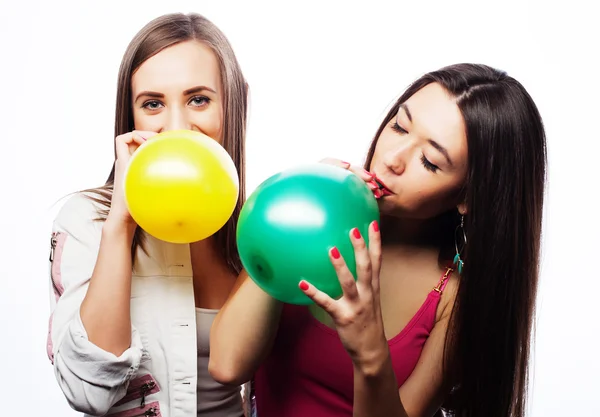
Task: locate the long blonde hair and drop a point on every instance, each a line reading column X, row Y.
column 158, row 34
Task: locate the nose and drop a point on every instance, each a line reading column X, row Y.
column 396, row 158
column 177, row 120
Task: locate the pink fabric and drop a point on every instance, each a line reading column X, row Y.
column 149, row 410
column 55, row 269
column 139, row 388
column 309, row 373
column 56, row 277
column 49, row 350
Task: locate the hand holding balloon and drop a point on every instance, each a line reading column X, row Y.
column 291, row 221
column 125, row 146
column 378, row 188
column 357, row 314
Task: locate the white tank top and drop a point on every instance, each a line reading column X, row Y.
column 214, row 399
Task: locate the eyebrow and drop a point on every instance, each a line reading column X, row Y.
column 405, row 108
column 193, row 90
column 432, row 142
column 441, row 149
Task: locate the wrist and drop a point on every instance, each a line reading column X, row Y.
column 374, row 363
column 121, row 229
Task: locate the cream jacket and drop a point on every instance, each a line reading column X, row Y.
column 157, row 375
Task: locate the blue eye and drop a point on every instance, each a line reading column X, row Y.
column 152, row 105
column 199, row 101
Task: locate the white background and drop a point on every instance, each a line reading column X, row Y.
column 322, row 75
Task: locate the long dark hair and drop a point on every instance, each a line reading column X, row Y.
column 487, row 350
column 160, row 33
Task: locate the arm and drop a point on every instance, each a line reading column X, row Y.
column 243, row 332
column 92, row 378
column 359, row 323
column 105, row 310
column 375, row 386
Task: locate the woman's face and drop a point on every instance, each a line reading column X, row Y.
column 179, row 88
column 421, row 156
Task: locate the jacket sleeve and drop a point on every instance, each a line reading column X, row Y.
column 91, row 379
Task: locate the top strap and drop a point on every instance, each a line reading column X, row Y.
column 443, row 281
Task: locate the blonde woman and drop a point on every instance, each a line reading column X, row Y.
column 131, row 314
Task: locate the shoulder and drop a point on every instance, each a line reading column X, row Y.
column 448, row 297
column 81, row 213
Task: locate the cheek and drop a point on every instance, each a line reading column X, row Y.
column 426, row 198
column 209, row 122
column 143, row 121
column 377, row 155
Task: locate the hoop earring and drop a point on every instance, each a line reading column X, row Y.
column 457, row 260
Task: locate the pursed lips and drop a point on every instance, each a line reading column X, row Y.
column 384, row 188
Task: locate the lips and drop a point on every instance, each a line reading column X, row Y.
column 384, row 188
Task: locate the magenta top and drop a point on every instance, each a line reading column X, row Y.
column 309, row 373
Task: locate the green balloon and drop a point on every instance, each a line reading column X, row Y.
column 290, row 222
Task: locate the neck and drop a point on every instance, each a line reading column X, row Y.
column 410, row 232
column 412, row 236
column 202, row 250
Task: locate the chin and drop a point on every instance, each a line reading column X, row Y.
column 387, row 207
column 391, row 209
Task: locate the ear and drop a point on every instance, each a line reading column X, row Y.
column 462, row 208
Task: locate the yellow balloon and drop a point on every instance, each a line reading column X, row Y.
column 181, row 186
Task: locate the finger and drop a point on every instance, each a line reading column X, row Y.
column 140, row 136
column 135, row 142
column 319, row 298
column 130, row 145
column 127, row 143
column 374, row 186
column 144, row 134
column 375, row 253
column 345, row 277
column 363, row 174
column 364, row 271
column 135, row 136
column 135, row 139
column 336, row 162
column 359, row 171
column 122, row 143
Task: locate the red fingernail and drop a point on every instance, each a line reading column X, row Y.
column 369, row 174
column 372, row 185
column 335, row 253
column 303, row 285
column 356, row 233
column 345, row 163
column 376, row 226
